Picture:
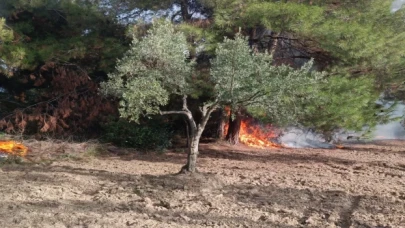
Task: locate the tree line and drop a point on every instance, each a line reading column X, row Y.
column 71, row 67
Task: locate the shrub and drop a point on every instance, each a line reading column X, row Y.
column 150, row 135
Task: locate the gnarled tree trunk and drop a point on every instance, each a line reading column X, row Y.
column 191, row 165
column 196, row 131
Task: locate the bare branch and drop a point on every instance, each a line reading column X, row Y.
column 207, row 109
column 173, row 112
column 185, row 112
column 185, row 107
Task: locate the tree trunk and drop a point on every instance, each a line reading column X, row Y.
column 187, row 132
column 184, row 10
column 222, row 123
column 195, row 131
column 192, row 155
column 273, row 48
column 232, row 136
column 221, row 129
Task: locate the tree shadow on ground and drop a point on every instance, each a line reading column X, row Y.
column 378, row 146
column 376, row 150
column 285, row 156
column 177, row 218
column 272, row 198
column 240, row 153
column 324, row 204
column 288, row 157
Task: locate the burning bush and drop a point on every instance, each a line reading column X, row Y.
column 13, row 148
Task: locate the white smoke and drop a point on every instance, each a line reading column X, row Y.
column 396, row 5
column 301, row 138
column 394, row 129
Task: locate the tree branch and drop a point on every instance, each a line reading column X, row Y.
column 252, row 98
column 206, row 110
column 185, row 107
column 282, row 38
column 173, row 112
column 185, row 111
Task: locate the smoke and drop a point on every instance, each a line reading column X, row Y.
column 303, row 138
column 300, row 138
column 394, row 129
column 396, row 5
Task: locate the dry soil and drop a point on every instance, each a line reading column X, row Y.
column 65, row 185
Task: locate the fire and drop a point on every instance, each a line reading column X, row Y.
column 256, row 136
column 14, row 148
column 340, row 147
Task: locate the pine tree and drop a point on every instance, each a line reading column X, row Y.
column 52, row 63
column 72, row 32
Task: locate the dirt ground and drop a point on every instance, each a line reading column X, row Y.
column 65, row 185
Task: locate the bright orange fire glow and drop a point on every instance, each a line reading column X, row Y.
column 257, row 136
column 14, row 148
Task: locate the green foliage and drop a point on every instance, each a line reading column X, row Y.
column 250, row 80
column 59, row 31
column 150, row 71
column 350, row 37
column 278, row 16
column 195, row 36
column 6, row 35
column 344, row 103
column 144, row 79
column 364, row 46
column 148, row 136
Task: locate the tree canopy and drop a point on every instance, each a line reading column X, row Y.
column 260, row 56
column 159, row 66
column 59, row 31
column 53, row 54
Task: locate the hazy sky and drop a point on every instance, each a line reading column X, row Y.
column 396, row 5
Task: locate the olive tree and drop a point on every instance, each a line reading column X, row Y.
column 158, row 66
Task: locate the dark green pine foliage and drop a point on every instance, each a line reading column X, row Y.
column 53, row 55
column 73, row 32
column 360, row 44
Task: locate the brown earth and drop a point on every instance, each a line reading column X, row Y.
column 65, row 185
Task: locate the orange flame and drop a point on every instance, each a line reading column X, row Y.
column 254, row 135
column 14, row 148
column 340, row 147
column 257, row 136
